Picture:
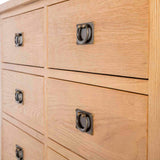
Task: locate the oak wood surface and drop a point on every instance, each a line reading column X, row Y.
column 31, row 53
column 24, row 127
column 31, row 111
column 120, row 119
column 154, row 83
column 33, row 5
column 52, row 155
column 119, row 83
column 53, row 2
column 63, row 150
column 50, row 144
column 13, row 4
column 11, row 135
column 121, row 44
column 120, row 36
column 24, row 69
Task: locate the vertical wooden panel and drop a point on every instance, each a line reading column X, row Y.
column 0, row 85
column 154, row 83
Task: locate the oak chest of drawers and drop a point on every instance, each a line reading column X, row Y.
column 80, row 79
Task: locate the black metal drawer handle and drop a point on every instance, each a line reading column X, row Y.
column 85, row 33
column 19, row 96
column 19, row 153
column 18, row 39
column 84, row 121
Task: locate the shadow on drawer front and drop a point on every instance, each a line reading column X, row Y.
column 16, row 144
column 22, row 98
column 120, row 45
column 23, row 39
column 119, row 121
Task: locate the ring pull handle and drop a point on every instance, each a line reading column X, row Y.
column 19, row 153
column 18, row 39
column 19, row 96
column 85, row 33
column 86, row 124
column 84, row 121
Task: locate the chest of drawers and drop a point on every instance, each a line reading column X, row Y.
column 80, row 79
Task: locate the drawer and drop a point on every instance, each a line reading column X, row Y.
column 52, row 155
column 32, row 50
column 12, row 136
column 118, row 121
column 120, row 45
column 30, row 111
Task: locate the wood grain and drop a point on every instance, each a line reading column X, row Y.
column 31, row 53
column 24, row 69
column 53, row 2
column 120, row 119
column 33, row 149
column 30, row 6
column 52, row 155
column 23, row 127
column 119, row 83
column 13, row 4
column 120, row 37
column 60, row 149
column 154, row 83
column 31, row 112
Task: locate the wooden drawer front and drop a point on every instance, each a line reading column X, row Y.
column 119, row 121
column 12, row 136
column 52, row 155
column 120, row 37
column 31, row 111
column 31, row 52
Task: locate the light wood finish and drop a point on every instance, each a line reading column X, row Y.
column 24, row 69
column 60, row 149
column 121, row 37
column 52, row 155
column 53, row 2
column 31, row 112
column 130, row 48
column 36, row 4
column 31, row 53
column 154, row 83
column 13, row 4
column 33, row 149
column 119, row 83
column 25, row 128
column 12, row 8
column 120, row 119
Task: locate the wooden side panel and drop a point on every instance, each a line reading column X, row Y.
column 52, row 155
column 154, row 83
column 120, row 36
column 0, row 89
column 120, row 121
column 33, row 149
column 31, row 111
column 31, row 25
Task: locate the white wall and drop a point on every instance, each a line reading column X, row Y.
column 2, row 1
